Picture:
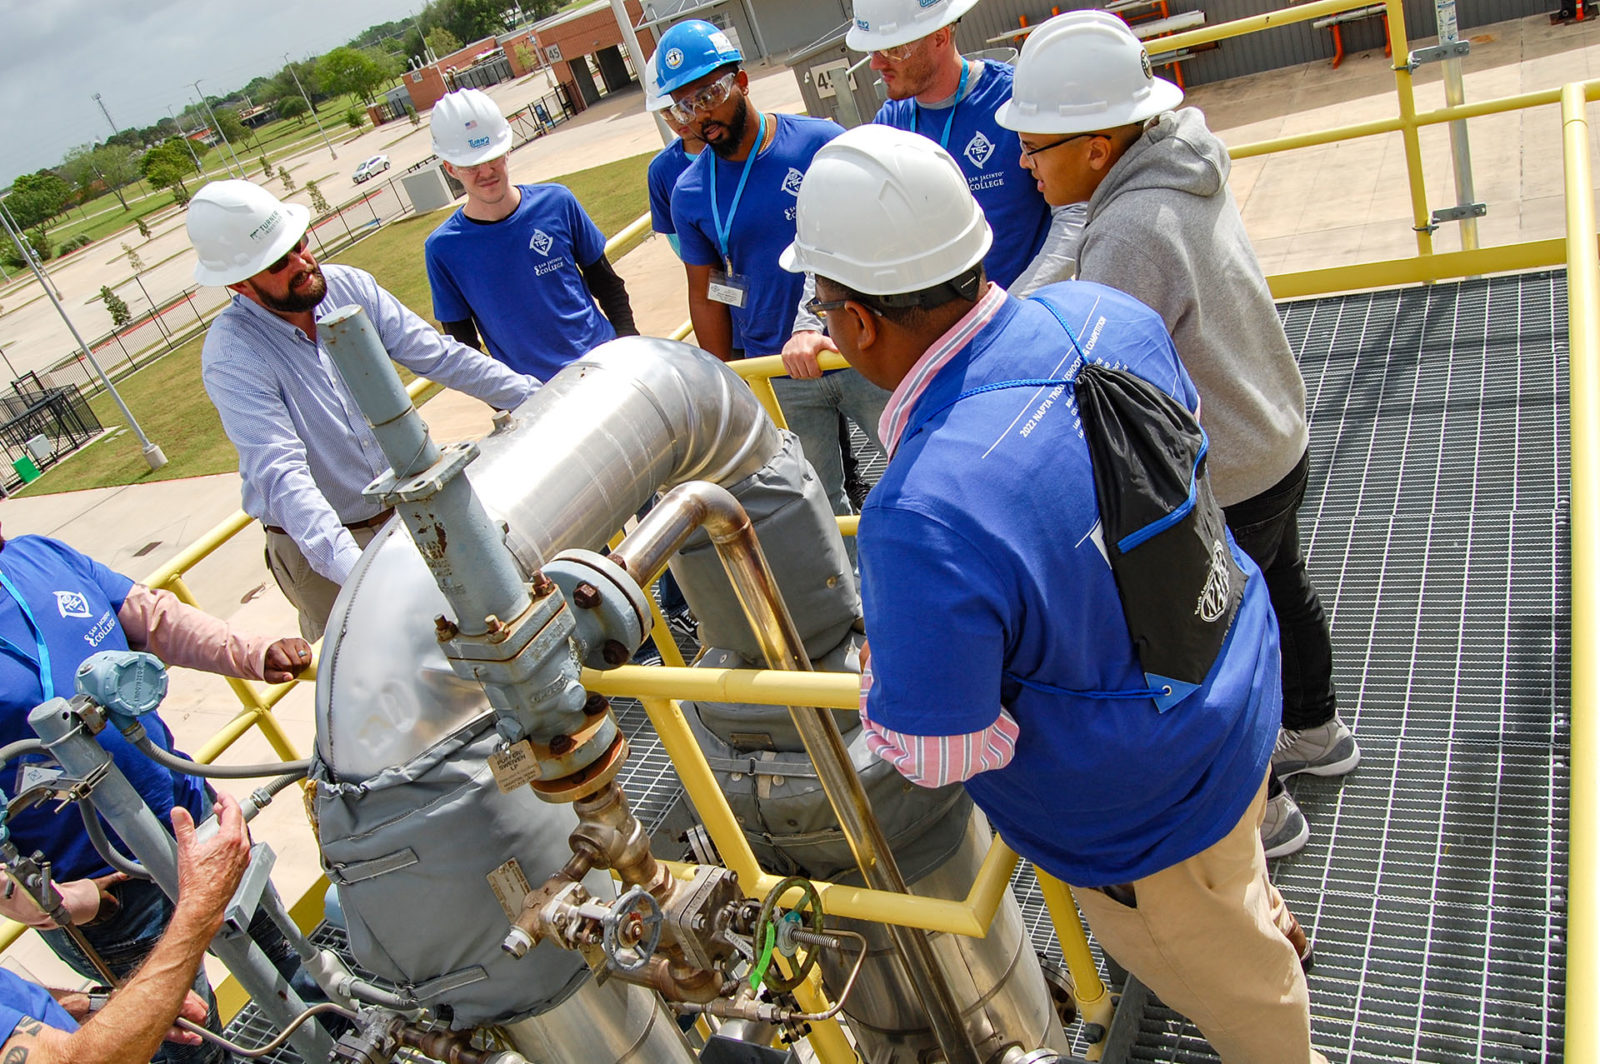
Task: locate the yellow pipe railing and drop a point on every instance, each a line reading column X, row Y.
column 1583, row 821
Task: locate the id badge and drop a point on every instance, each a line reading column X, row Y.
column 729, row 288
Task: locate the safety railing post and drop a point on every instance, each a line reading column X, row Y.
column 1421, row 219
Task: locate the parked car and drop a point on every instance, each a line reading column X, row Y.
column 375, row 165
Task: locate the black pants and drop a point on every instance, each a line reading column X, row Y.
column 1267, row 528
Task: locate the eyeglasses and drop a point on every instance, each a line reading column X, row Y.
column 709, row 98
column 1031, row 152
column 818, row 307
column 283, row 263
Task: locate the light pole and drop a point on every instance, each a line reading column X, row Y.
column 30, row 256
column 218, row 127
column 109, row 120
column 290, row 64
column 152, row 453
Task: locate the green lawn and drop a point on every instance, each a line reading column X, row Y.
column 172, row 406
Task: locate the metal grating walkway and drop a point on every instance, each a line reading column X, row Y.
column 1436, row 528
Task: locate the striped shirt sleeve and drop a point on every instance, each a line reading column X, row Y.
column 937, row 760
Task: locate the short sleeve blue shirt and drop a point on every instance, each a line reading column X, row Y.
column 20, row 999
column 665, row 169
column 981, row 566
column 991, row 158
column 74, row 600
column 761, row 229
column 519, row 279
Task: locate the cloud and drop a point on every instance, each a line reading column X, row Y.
column 143, row 58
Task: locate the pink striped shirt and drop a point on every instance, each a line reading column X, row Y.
column 936, row 760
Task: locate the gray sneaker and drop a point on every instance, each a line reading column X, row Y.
column 1284, row 829
column 1326, row 750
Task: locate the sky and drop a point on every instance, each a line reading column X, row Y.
column 143, row 56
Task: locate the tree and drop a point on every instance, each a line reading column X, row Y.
column 288, row 182
column 266, row 167
column 442, row 41
column 133, row 258
column 355, row 118
column 144, row 226
column 231, row 127
column 319, row 202
column 165, row 166
column 359, row 73
column 292, row 107
column 120, row 314
column 36, row 199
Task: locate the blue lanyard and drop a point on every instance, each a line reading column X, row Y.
column 916, row 110
column 738, row 193
column 43, row 664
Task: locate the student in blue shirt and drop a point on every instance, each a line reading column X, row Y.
column 1000, row 650
column 733, row 209
column 521, row 264
column 41, row 1026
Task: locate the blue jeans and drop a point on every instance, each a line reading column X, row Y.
column 812, row 409
column 125, row 938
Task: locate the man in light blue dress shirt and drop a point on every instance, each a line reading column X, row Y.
column 305, row 451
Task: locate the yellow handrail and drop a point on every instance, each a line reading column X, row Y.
column 1583, row 820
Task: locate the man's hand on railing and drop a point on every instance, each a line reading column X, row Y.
column 286, row 659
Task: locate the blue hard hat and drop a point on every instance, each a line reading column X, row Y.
column 689, row 51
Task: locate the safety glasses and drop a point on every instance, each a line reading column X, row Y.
column 709, row 98
column 283, row 263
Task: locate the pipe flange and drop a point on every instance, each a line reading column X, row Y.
column 607, row 604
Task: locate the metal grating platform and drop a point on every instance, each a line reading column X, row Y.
column 1436, row 526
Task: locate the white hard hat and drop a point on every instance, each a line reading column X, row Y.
column 880, row 24
column 886, row 212
column 654, row 98
column 239, row 229
column 468, row 128
column 1081, row 72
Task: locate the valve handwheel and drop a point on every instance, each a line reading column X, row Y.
column 775, row 932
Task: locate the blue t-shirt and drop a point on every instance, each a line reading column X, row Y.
column 981, row 563
column 665, row 169
column 991, row 157
column 519, row 280
column 20, row 999
column 74, row 601
column 760, row 230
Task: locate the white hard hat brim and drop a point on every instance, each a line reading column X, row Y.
column 1162, row 97
column 860, row 40
column 299, row 222
column 498, row 145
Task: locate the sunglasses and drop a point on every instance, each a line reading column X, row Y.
column 818, row 307
column 283, row 263
column 897, row 55
column 709, row 98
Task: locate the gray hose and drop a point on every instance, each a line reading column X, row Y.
column 286, row 771
column 102, row 845
column 11, row 751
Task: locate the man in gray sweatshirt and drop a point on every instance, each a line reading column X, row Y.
column 1096, row 125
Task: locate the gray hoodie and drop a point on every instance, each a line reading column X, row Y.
column 1163, row 227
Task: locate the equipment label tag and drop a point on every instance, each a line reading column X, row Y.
column 510, row 886
column 516, row 766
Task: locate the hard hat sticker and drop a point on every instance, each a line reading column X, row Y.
column 720, row 42
column 674, row 58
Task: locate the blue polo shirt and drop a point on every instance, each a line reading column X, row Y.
column 981, row 567
column 991, row 158
column 20, row 1000
column 762, row 227
column 519, row 280
column 74, row 602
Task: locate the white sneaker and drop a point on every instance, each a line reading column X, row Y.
column 1284, row 829
column 1326, row 750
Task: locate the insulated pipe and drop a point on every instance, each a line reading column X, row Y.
column 571, row 466
column 643, row 553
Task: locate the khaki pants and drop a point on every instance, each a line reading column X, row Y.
column 306, row 589
column 1206, row 937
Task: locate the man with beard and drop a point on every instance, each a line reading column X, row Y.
column 305, row 450
column 733, row 209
